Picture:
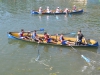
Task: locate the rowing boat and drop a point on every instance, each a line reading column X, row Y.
column 61, row 13
column 15, row 35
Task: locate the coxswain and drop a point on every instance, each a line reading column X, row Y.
column 80, row 36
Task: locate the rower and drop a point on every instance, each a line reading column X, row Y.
column 22, row 34
column 35, row 36
column 57, row 10
column 40, row 10
column 48, row 10
column 47, row 37
column 74, row 8
column 65, row 42
column 66, row 10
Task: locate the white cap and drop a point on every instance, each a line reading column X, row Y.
column 57, row 7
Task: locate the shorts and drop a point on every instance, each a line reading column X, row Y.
column 64, row 42
column 49, row 40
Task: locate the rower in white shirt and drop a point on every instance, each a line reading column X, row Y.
column 66, row 10
column 48, row 10
column 40, row 9
column 57, row 10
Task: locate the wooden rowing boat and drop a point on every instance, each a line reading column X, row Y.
column 91, row 42
column 80, row 11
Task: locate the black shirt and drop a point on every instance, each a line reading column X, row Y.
column 80, row 36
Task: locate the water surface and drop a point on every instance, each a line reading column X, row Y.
column 18, row 57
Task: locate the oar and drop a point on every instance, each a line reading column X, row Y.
column 38, row 56
column 85, row 58
column 36, row 30
column 72, row 33
column 40, row 29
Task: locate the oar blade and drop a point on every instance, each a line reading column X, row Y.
column 41, row 29
column 73, row 33
column 86, row 59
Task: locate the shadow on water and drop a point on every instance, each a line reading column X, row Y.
column 23, row 44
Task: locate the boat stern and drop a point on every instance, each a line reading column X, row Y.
column 34, row 12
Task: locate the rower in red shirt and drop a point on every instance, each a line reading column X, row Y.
column 47, row 37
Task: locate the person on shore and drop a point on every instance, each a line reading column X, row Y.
column 80, row 36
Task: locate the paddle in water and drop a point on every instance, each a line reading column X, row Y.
column 85, row 58
column 38, row 56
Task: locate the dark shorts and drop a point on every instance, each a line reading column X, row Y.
column 49, row 40
column 64, row 42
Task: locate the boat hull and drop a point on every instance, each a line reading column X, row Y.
column 72, row 12
column 15, row 35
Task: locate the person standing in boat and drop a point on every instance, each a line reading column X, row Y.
column 80, row 36
column 48, row 10
column 40, row 10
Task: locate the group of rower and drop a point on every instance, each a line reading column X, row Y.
column 34, row 37
column 58, row 10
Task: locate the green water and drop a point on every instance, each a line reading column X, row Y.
column 18, row 57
